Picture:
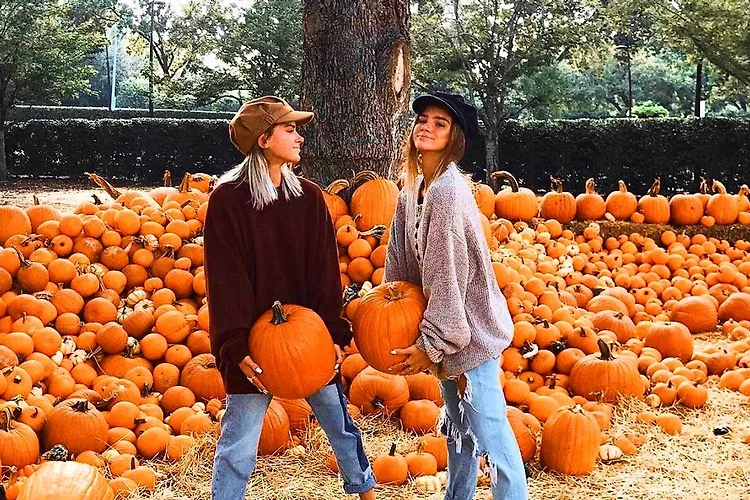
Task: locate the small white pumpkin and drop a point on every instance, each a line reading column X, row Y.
column 609, row 452
column 428, row 484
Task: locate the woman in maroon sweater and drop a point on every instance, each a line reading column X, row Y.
column 268, row 236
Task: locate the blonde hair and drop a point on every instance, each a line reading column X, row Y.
column 411, row 167
column 254, row 171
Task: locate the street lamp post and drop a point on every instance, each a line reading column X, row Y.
column 623, row 43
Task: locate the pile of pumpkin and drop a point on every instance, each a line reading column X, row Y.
column 104, row 330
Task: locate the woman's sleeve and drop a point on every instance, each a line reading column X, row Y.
column 395, row 261
column 323, row 276
column 444, row 328
column 231, row 299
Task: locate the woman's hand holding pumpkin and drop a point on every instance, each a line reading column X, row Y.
column 251, row 371
column 416, row 361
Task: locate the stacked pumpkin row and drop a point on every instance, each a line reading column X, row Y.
column 103, row 333
column 710, row 206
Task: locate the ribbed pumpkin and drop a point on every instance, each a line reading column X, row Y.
column 39, row 213
column 419, row 416
column 653, row 206
column 697, row 313
column 605, row 376
column 671, row 339
column 722, row 206
column 524, row 435
column 201, row 376
column 13, row 221
column 736, row 307
column 485, row 198
column 387, row 318
column 336, row 205
column 621, row 203
column 590, row 205
column 375, row 200
column 558, row 204
column 274, row 435
column 77, row 425
column 376, row 392
column 292, row 346
column 66, row 480
column 19, row 445
column 516, row 203
column 570, row 441
column 685, row 209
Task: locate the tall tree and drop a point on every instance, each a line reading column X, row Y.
column 44, row 46
column 496, row 43
column 260, row 53
column 356, row 78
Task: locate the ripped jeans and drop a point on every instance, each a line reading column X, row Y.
column 477, row 425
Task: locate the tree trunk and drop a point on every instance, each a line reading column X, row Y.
column 3, row 164
column 356, row 76
column 491, row 138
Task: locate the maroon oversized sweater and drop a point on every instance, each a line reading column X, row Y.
column 285, row 252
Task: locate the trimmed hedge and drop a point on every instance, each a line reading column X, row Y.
column 138, row 150
column 23, row 113
column 679, row 150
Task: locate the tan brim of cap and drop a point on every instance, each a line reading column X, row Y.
column 298, row 117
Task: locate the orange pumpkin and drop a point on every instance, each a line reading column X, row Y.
column 375, row 200
column 292, row 346
column 55, row 480
column 516, row 203
column 388, row 318
column 653, row 206
column 605, row 376
column 590, row 205
column 570, row 441
column 558, row 204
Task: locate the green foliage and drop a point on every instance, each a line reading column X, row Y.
column 650, row 109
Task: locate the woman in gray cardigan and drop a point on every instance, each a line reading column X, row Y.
column 436, row 241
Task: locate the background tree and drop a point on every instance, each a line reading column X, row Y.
column 260, row 53
column 44, row 46
column 356, row 78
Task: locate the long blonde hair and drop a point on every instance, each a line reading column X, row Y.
column 254, row 171
column 411, row 167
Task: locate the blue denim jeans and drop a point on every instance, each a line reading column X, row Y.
column 477, row 424
column 237, row 448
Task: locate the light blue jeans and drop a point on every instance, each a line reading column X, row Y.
column 477, row 425
column 237, row 448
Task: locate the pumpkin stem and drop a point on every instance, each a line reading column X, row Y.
column 392, row 293
column 655, row 187
column 378, row 403
column 167, row 178
column 364, row 176
column 278, row 314
column 103, row 184
column 97, row 201
column 501, row 175
column 185, row 184
column 336, row 186
column 557, row 185
column 36, row 199
column 590, row 186
column 376, row 231
column 81, row 406
column 606, row 352
column 393, row 450
column 718, row 187
column 622, row 186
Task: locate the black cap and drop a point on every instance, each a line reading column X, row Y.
column 464, row 113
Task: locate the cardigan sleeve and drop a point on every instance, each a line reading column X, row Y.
column 323, row 276
column 395, row 261
column 231, row 298
column 444, row 328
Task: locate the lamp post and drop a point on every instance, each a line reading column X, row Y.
column 623, row 43
column 151, row 59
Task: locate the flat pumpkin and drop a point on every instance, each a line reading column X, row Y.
column 294, row 349
column 605, row 376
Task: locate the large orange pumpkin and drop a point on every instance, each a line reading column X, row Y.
column 57, row 480
column 685, row 209
column 570, row 441
column 375, row 200
column 621, row 203
column 654, row 207
column 336, row 205
column 722, row 206
column 524, row 435
column 516, row 203
column 605, row 376
column 590, row 205
column 388, row 318
column 13, row 221
column 558, row 204
column 292, row 346
column 274, row 434
column 697, row 313
column 671, row 339
column 201, row 376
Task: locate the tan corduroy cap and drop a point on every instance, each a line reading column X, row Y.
column 257, row 116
